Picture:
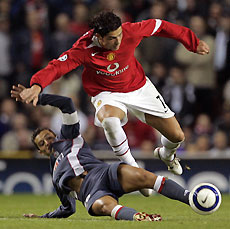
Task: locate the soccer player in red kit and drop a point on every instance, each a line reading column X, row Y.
column 117, row 83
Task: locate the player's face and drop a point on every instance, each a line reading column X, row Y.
column 112, row 40
column 44, row 140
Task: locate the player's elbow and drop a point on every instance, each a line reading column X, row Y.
column 68, row 105
column 68, row 102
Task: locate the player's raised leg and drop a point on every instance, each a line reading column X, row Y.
column 110, row 118
column 132, row 179
column 172, row 137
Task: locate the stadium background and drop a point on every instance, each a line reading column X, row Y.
column 197, row 88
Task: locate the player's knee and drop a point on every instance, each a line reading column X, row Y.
column 101, row 208
column 106, row 117
column 178, row 136
column 109, row 123
column 105, row 209
column 101, row 117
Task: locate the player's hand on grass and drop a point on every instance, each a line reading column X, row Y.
column 31, row 215
column 29, row 95
column 15, row 92
column 202, row 48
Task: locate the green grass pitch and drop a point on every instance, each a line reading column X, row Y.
column 175, row 215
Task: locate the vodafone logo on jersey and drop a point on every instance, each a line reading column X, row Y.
column 113, row 67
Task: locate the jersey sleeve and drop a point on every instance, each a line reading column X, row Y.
column 177, row 32
column 70, row 126
column 66, row 209
column 56, row 68
column 161, row 28
column 144, row 28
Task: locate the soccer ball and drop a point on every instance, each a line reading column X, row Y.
column 205, row 198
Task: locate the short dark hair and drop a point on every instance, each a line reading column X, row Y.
column 105, row 22
column 37, row 132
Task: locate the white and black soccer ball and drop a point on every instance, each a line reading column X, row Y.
column 205, row 198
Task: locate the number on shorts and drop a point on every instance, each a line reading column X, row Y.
column 158, row 97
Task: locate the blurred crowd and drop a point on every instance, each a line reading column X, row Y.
column 197, row 88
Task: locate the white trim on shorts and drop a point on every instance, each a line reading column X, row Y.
column 144, row 100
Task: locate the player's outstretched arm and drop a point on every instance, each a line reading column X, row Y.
column 70, row 127
column 65, row 104
column 23, row 94
column 184, row 35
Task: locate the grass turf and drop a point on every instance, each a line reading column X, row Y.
column 175, row 215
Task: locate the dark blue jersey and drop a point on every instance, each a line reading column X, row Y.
column 69, row 145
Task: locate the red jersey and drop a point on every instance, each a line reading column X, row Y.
column 115, row 71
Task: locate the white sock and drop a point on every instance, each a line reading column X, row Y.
column 159, row 184
column 117, row 139
column 169, row 148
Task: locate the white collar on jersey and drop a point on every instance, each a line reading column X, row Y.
column 95, row 42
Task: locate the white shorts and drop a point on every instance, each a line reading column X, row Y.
column 146, row 100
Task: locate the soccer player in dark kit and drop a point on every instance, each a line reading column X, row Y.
column 76, row 171
column 116, row 81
